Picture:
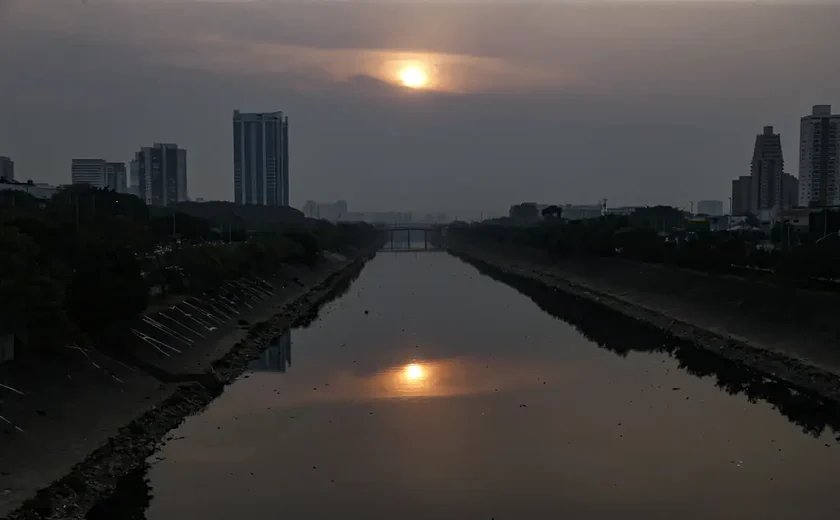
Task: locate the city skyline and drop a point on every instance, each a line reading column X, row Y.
column 571, row 118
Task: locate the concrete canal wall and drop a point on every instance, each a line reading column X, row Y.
column 785, row 333
column 71, row 426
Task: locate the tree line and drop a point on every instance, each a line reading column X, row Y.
column 663, row 235
column 81, row 266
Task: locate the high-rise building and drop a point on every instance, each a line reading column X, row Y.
column 160, row 173
column 115, row 177
column 790, row 191
column 7, row 168
column 261, row 158
column 819, row 153
column 741, row 188
column 712, row 208
column 88, row 171
column 134, row 180
column 766, row 171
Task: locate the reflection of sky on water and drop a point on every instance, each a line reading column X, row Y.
column 510, row 413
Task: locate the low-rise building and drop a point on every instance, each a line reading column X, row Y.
column 712, row 208
column 7, row 168
column 582, row 211
column 624, row 211
column 88, row 171
column 797, row 217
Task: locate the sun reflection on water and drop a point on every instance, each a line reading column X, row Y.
column 414, row 378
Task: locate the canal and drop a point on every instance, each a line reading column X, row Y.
column 432, row 391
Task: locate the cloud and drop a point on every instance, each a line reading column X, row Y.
column 234, row 40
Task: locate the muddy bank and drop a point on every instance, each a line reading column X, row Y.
column 686, row 323
column 122, row 422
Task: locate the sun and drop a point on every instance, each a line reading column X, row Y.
column 414, row 372
column 414, row 77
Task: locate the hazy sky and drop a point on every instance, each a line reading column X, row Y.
column 640, row 103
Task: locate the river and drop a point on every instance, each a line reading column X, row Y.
column 432, row 391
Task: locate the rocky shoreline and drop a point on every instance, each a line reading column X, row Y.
column 796, row 373
column 92, row 480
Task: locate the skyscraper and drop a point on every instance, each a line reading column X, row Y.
column 261, row 158
column 115, row 176
column 7, row 168
column 819, row 153
column 88, row 171
column 766, row 172
column 160, row 173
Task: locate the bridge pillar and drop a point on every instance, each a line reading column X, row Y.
column 392, row 238
column 425, row 239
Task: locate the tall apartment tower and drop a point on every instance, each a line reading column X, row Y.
column 160, row 174
column 819, row 153
column 115, row 176
column 261, row 158
column 7, row 168
column 766, row 172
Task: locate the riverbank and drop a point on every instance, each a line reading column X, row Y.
column 100, row 417
column 747, row 322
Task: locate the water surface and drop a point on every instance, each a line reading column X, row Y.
column 431, row 391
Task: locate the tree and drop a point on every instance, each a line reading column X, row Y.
column 106, row 293
column 31, row 299
column 552, row 211
column 525, row 212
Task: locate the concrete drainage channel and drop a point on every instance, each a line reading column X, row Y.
column 182, row 324
column 165, row 336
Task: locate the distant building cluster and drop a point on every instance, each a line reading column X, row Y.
column 533, row 211
column 768, row 189
column 157, row 174
column 333, row 211
column 771, row 194
column 99, row 173
column 338, row 212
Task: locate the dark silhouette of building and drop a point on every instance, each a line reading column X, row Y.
column 525, row 212
column 741, row 188
column 7, row 168
column 261, row 158
column 766, row 172
column 160, row 172
column 819, row 158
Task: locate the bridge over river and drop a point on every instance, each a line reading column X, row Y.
column 399, row 237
